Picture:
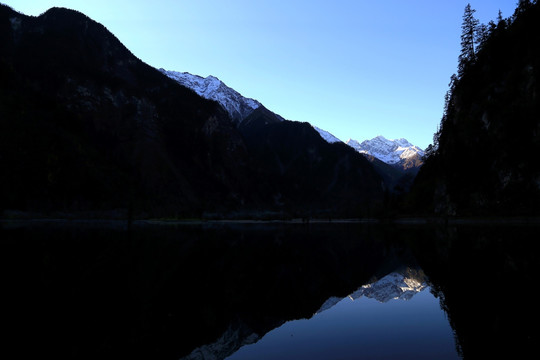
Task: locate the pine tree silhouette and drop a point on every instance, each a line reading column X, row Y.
column 468, row 31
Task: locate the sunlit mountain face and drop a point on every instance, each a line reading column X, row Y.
column 237, row 106
column 389, row 151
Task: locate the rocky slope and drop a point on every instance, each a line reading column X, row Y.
column 327, row 136
column 238, row 106
column 400, row 152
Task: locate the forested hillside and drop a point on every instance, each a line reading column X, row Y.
column 484, row 160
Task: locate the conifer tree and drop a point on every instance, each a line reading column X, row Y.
column 481, row 36
column 468, row 31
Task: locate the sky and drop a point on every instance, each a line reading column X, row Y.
column 356, row 68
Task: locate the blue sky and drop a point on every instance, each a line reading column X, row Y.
column 355, row 68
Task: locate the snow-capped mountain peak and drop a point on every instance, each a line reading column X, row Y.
column 388, row 151
column 326, row 135
column 238, row 106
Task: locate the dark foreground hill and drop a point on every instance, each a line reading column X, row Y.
column 486, row 159
column 86, row 126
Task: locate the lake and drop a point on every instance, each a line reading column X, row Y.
column 84, row 289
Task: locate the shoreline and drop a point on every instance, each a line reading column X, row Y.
column 413, row 221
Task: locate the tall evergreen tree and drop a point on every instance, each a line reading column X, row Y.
column 468, row 31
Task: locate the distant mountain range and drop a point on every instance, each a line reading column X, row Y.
column 389, row 151
column 400, row 152
column 396, row 161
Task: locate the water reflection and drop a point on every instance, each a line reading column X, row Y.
column 402, row 285
column 86, row 291
column 483, row 276
column 393, row 317
column 362, row 329
column 398, row 285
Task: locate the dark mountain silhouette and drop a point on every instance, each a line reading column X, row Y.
column 485, row 161
column 86, row 126
column 397, row 177
column 296, row 163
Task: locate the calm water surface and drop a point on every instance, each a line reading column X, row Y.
column 268, row 291
column 363, row 329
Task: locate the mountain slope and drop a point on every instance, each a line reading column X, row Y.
column 297, row 171
column 485, row 161
column 396, row 161
column 397, row 152
column 212, row 88
column 238, row 106
column 295, row 162
column 327, row 136
column 403, row 157
column 85, row 126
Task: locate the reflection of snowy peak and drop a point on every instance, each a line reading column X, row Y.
column 388, row 151
column 399, row 285
column 232, row 340
column 212, row 88
column 392, row 287
column 329, row 304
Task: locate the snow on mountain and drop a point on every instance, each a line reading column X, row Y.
column 326, row 135
column 238, row 106
column 388, row 151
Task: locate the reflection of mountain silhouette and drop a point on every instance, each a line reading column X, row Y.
column 141, row 294
column 232, row 339
column 161, row 292
column 402, row 284
column 399, row 285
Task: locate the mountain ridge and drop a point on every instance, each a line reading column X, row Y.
column 392, row 152
column 398, row 152
column 238, row 106
column 86, row 127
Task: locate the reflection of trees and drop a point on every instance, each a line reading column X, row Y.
column 484, row 277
